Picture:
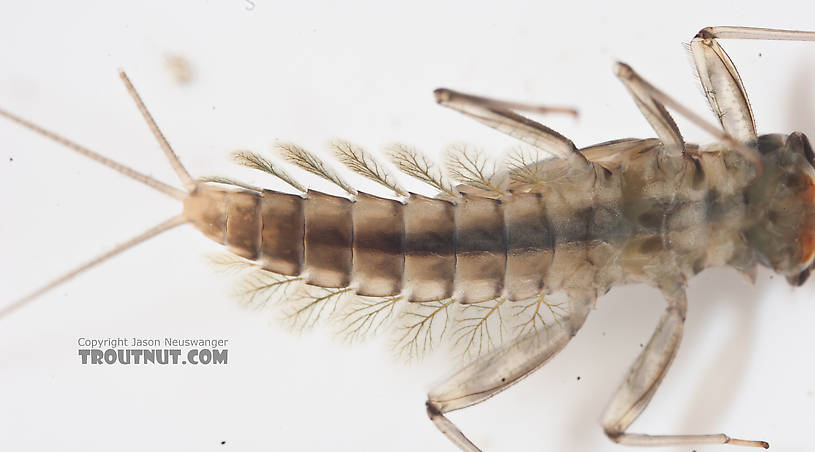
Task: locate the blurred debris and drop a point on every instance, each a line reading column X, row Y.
column 180, row 68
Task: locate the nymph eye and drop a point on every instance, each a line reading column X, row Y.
column 800, row 278
column 808, row 150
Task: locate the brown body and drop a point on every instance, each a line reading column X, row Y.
column 647, row 217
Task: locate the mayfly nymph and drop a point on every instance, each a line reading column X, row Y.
column 561, row 221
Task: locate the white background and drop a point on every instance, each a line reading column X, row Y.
column 362, row 71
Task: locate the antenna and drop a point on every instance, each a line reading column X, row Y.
column 152, row 232
column 155, row 184
column 127, row 171
column 179, row 169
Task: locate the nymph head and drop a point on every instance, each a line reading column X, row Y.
column 782, row 206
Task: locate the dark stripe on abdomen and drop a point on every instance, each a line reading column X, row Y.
column 328, row 240
column 378, row 251
column 480, row 249
column 430, row 259
column 530, row 245
column 282, row 236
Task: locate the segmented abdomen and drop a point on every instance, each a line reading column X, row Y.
column 475, row 249
column 656, row 220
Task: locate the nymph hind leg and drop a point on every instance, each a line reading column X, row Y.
column 723, row 87
column 502, row 116
column 644, row 378
column 653, row 110
column 652, row 103
column 503, row 367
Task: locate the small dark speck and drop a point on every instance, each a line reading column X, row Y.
column 503, row 380
column 640, row 345
column 11, row 159
column 604, row 333
column 224, row 442
column 578, row 378
column 759, row 55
